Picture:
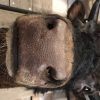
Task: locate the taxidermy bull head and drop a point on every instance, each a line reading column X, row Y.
column 46, row 51
column 40, row 51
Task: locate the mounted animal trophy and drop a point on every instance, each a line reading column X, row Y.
column 49, row 52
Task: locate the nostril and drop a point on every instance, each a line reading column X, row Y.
column 50, row 72
column 51, row 23
column 51, row 76
column 50, row 26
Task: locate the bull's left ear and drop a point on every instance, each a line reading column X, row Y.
column 76, row 11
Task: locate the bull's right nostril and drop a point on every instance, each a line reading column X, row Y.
column 52, row 76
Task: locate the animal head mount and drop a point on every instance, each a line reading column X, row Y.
column 44, row 50
column 40, row 51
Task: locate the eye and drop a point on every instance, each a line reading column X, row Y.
column 86, row 89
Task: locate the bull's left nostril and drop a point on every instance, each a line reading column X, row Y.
column 50, row 26
column 51, row 23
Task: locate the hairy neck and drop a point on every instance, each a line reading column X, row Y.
column 84, row 54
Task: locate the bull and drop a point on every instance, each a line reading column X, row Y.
column 46, row 51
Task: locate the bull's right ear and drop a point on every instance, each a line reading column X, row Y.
column 76, row 11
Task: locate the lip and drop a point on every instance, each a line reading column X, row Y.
column 48, row 85
column 42, row 83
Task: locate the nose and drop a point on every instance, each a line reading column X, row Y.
column 51, row 22
column 53, row 75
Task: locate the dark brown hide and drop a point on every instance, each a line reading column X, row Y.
column 88, row 84
column 97, row 40
column 41, row 52
column 85, row 82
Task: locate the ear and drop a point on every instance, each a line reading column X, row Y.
column 91, row 23
column 76, row 11
column 94, row 13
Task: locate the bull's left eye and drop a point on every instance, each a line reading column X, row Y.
column 86, row 89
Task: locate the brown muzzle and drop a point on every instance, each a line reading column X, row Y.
column 40, row 51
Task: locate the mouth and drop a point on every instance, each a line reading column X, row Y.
column 44, row 79
column 54, row 84
column 35, row 88
column 45, row 86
